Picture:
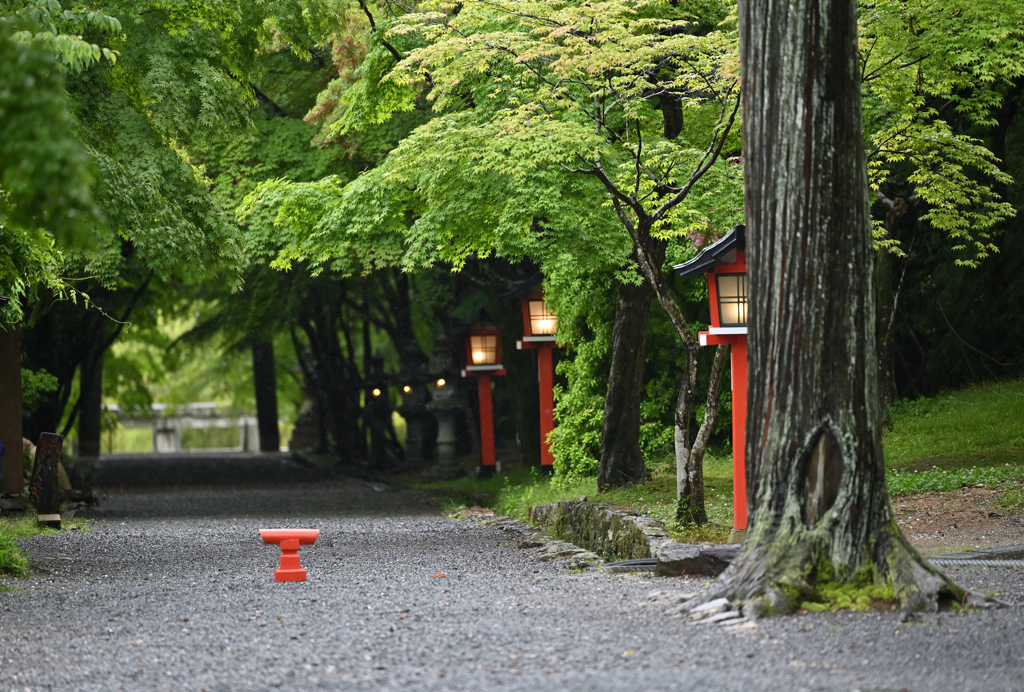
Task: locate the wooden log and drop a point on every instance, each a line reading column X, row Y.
column 43, row 487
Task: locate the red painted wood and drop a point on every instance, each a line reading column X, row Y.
column 738, row 359
column 738, row 356
column 289, row 540
column 546, row 379
column 483, row 383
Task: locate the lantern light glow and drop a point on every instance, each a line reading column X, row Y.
column 483, row 349
column 376, row 392
column 406, row 389
column 543, row 320
column 440, row 383
column 732, row 299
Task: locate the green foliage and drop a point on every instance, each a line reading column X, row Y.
column 34, row 385
column 926, row 68
column 847, row 596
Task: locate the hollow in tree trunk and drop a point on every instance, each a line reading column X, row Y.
column 818, row 504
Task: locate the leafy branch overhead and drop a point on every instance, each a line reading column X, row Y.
column 929, row 70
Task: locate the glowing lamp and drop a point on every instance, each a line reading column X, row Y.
column 732, row 299
column 724, row 264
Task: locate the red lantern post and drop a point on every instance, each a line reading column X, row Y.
column 724, row 263
column 539, row 326
column 483, row 361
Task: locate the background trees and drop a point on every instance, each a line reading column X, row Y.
column 370, row 148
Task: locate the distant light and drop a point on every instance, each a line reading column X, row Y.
column 406, row 389
column 376, row 392
column 440, row 383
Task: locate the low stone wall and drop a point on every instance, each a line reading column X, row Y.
column 612, row 533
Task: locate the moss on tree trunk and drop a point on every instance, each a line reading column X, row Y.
column 818, row 505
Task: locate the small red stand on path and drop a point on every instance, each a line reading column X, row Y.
column 289, row 540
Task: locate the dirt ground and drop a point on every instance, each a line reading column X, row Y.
column 964, row 519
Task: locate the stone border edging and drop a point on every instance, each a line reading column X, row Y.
column 612, row 533
column 617, row 534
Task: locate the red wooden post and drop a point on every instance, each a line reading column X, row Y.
column 289, row 540
column 483, row 360
column 724, row 263
column 738, row 356
column 483, row 383
column 546, row 380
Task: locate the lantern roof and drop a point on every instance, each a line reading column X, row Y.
column 527, row 287
column 722, row 251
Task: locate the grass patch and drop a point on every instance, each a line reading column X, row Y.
column 514, row 493
column 982, row 425
column 12, row 560
column 968, row 438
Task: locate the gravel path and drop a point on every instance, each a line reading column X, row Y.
column 174, row 591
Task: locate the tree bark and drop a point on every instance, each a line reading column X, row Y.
column 264, row 376
column 621, row 461
column 690, row 476
column 818, row 504
column 44, row 487
column 90, row 416
column 12, row 473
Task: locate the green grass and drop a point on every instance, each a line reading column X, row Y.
column 972, row 437
column 967, row 438
column 514, row 493
column 13, row 560
column 979, row 426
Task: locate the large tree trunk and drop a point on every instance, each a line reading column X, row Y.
column 265, row 378
column 818, row 504
column 621, row 461
column 90, row 416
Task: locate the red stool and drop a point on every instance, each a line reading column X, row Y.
column 289, row 540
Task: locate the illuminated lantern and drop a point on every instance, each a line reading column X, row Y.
column 724, row 263
column 539, row 326
column 483, row 361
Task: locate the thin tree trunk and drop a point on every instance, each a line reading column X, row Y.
column 90, row 415
column 818, row 503
column 265, row 379
column 900, row 217
column 690, row 477
column 11, row 434
column 621, row 461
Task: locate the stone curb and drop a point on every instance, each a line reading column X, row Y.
column 617, row 534
column 612, row 533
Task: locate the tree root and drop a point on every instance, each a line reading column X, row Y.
column 768, row 579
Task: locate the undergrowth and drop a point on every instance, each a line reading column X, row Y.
column 12, row 560
column 969, row 438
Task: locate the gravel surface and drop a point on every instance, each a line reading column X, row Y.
column 174, row 591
